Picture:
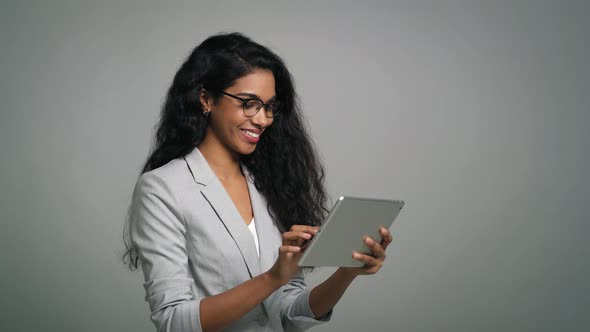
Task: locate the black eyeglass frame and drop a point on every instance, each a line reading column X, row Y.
column 265, row 105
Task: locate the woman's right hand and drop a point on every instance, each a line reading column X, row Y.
column 286, row 265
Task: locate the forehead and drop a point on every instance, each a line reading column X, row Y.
column 260, row 82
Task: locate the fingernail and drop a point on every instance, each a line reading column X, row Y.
column 307, row 236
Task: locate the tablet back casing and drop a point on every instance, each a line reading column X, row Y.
column 349, row 220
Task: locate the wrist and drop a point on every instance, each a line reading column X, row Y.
column 270, row 278
column 347, row 274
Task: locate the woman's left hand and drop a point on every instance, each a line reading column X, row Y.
column 374, row 262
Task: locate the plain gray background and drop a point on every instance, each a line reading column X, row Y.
column 475, row 113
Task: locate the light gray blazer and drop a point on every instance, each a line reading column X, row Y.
column 193, row 243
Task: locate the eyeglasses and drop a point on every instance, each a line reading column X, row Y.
column 251, row 106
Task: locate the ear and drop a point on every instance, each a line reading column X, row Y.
column 206, row 100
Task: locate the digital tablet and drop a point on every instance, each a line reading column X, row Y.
column 350, row 219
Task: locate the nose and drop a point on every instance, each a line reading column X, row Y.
column 260, row 119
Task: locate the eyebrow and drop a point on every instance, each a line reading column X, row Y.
column 251, row 95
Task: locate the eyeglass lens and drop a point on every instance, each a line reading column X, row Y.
column 252, row 106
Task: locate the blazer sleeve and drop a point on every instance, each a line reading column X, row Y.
column 296, row 313
column 158, row 232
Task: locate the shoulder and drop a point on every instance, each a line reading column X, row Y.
column 167, row 180
column 160, row 195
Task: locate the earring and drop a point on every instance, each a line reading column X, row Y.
column 206, row 112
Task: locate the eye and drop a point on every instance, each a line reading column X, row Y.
column 251, row 104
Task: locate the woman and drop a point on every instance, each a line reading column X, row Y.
column 230, row 192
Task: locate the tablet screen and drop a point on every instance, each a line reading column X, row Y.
column 349, row 221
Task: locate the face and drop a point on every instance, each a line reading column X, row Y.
column 229, row 125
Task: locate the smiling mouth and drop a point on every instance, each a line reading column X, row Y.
column 250, row 133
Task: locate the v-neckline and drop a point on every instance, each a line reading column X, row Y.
column 244, row 174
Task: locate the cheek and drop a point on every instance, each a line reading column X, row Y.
column 227, row 125
column 222, row 120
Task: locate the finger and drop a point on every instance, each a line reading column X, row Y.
column 387, row 237
column 368, row 260
column 291, row 235
column 376, row 248
column 295, row 238
column 305, row 228
column 288, row 249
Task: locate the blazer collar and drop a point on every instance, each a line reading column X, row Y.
column 228, row 214
column 199, row 168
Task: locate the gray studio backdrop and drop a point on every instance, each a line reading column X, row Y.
column 475, row 113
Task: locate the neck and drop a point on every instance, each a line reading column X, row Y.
column 224, row 162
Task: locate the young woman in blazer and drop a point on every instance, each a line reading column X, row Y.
column 227, row 196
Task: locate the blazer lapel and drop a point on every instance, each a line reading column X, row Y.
column 224, row 207
column 265, row 227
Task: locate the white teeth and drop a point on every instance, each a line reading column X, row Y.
column 251, row 134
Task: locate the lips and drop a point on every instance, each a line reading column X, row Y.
column 251, row 132
column 251, row 135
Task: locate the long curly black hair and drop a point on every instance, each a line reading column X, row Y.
column 285, row 165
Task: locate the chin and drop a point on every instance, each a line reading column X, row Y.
column 249, row 151
column 246, row 149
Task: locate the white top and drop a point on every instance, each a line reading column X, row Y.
column 252, row 228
